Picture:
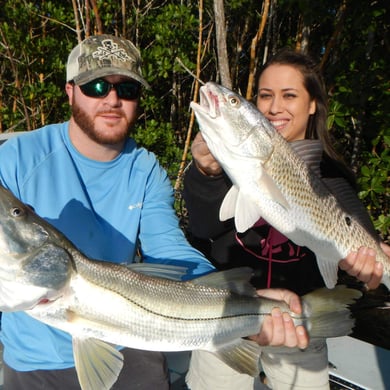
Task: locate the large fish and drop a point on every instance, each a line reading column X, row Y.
column 271, row 181
column 101, row 303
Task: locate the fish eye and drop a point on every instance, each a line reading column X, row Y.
column 234, row 101
column 17, row 212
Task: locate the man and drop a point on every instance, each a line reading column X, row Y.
column 92, row 182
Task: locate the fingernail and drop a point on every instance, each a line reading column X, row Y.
column 276, row 312
column 371, row 252
column 286, row 317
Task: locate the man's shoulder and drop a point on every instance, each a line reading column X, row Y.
column 36, row 139
column 25, row 152
column 142, row 157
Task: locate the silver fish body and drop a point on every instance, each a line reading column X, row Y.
column 270, row 180
column 100, row 303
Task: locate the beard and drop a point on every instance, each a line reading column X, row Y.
column 87, row 125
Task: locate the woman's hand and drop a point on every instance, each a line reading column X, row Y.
column 204, row 160
column 278, row 328
column 363, row 265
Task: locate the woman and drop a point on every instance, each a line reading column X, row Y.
column 292, row 96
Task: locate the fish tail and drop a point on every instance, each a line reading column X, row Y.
column 328, row 311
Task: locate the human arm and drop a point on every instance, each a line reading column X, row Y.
column 203, row 194
column 161, row 239
column 278, row 328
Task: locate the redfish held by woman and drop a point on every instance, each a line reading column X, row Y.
column 271, row 181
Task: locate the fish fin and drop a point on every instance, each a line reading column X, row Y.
column 228, row 206
column 247, row 213
column 167, row 271
column 271, row 190
column 242, row 355
column 235, row 280
column 328, row 311
column 244, row 210
column 328, row 270
column 98, row 364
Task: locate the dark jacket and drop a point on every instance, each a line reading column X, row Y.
column 277, row 261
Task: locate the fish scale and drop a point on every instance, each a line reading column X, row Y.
column 101, row 304
column 271, row 181
column 324, row 226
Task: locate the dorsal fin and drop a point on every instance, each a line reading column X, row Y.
column 235, row 280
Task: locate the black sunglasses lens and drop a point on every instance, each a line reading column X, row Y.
column 96, row 88
column 128, row 90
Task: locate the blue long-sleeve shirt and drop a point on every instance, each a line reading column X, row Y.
column 107, row 209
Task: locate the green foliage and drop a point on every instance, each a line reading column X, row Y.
column 169, row 33
column 374, row 182
column 36, row 37
column 32, row 64
column 358, row 80
column 159, row 137
column 337, row 115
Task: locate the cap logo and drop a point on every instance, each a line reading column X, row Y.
column 110, row 50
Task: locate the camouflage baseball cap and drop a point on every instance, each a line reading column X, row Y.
column 104, row 55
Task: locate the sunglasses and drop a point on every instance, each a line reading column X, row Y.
column 99, row 88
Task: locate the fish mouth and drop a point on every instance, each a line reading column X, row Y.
column 18, row 296
column 208, row 103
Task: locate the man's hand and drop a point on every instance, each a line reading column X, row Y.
column 278, row 328
column 363, row 265
column 204, row 160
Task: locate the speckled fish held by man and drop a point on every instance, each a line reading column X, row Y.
column 271, row 181
column 98, row 302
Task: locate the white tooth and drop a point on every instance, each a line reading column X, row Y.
column 278, row 123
